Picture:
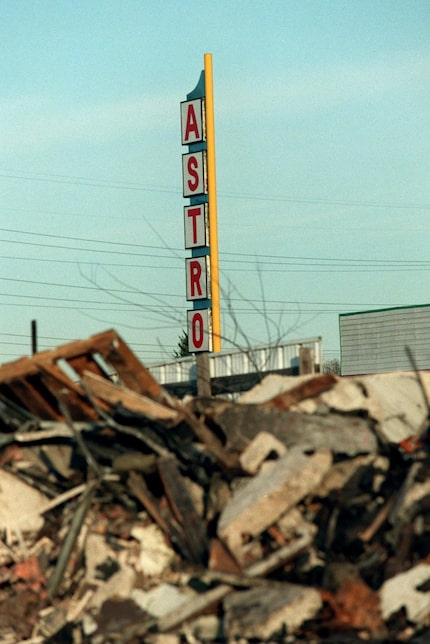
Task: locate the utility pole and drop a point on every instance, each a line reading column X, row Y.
column 33, row 337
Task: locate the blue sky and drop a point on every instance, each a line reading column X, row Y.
column 322, row 139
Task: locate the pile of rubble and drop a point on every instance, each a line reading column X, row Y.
column 296, row 513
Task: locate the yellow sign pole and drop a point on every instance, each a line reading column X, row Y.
column 212, row 202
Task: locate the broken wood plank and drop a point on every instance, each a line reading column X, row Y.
column 183, row 508
column 56, row 382
column 70, row 540
column 32, row 398
column 80, row 355
column 91, row 461
column 138, row 487
column 303, row 391
column 29, row 366
column 211, row 442
column 368, row 533
column 171, row 530
column 131, row 371
column 115, row 394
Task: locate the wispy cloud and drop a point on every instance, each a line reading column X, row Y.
column 316, row 89
column 40, row 122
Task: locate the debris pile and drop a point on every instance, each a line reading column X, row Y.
column 297, row 513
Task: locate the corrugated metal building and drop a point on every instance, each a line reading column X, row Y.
column 237, row 370
column 376, row 341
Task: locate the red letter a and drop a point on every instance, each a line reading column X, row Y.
column 191, row 124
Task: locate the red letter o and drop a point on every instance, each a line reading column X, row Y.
column 197, row 330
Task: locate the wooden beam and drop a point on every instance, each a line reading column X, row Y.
column 115, row 394
column 32, row 400
column 183, row 508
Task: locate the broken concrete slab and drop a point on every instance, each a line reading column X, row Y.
column 155, row 555
column 408, row 590
column 161, row 600
column 206, row 628
column 20, row 506
column 97, row 554
column 119, row 585
column 341, row 434
column 270, row 386
column 396, row 401
column 262, row 446
column 268, row 495
column 346, row 396
column 293, row 523
column 262, row 613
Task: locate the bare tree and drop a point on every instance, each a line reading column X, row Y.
column 237, row 336
column 331, row 366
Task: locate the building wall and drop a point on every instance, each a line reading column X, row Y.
column 376, row 341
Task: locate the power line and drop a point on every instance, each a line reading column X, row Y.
column 88, row 263
column 289, row 263
column 86, row 250
column 141, row 309
column 275, row 260
column 86, row 182
column 124, row 185
column 326, row 259
column 298, row 226
column 288, row 267
column 89, row 288
column 173, row 295
column 81, row 239
column 44, row 338
column 337, row 265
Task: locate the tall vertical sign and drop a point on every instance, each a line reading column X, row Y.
column 200, row 215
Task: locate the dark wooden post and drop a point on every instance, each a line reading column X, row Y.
column 306, row 361
column 33, row 337
column 203, row 374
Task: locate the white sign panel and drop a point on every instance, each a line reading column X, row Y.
column 199, row 328
column 196, row 226
column 192, row 121
column 197, row 275
column 194, row 174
